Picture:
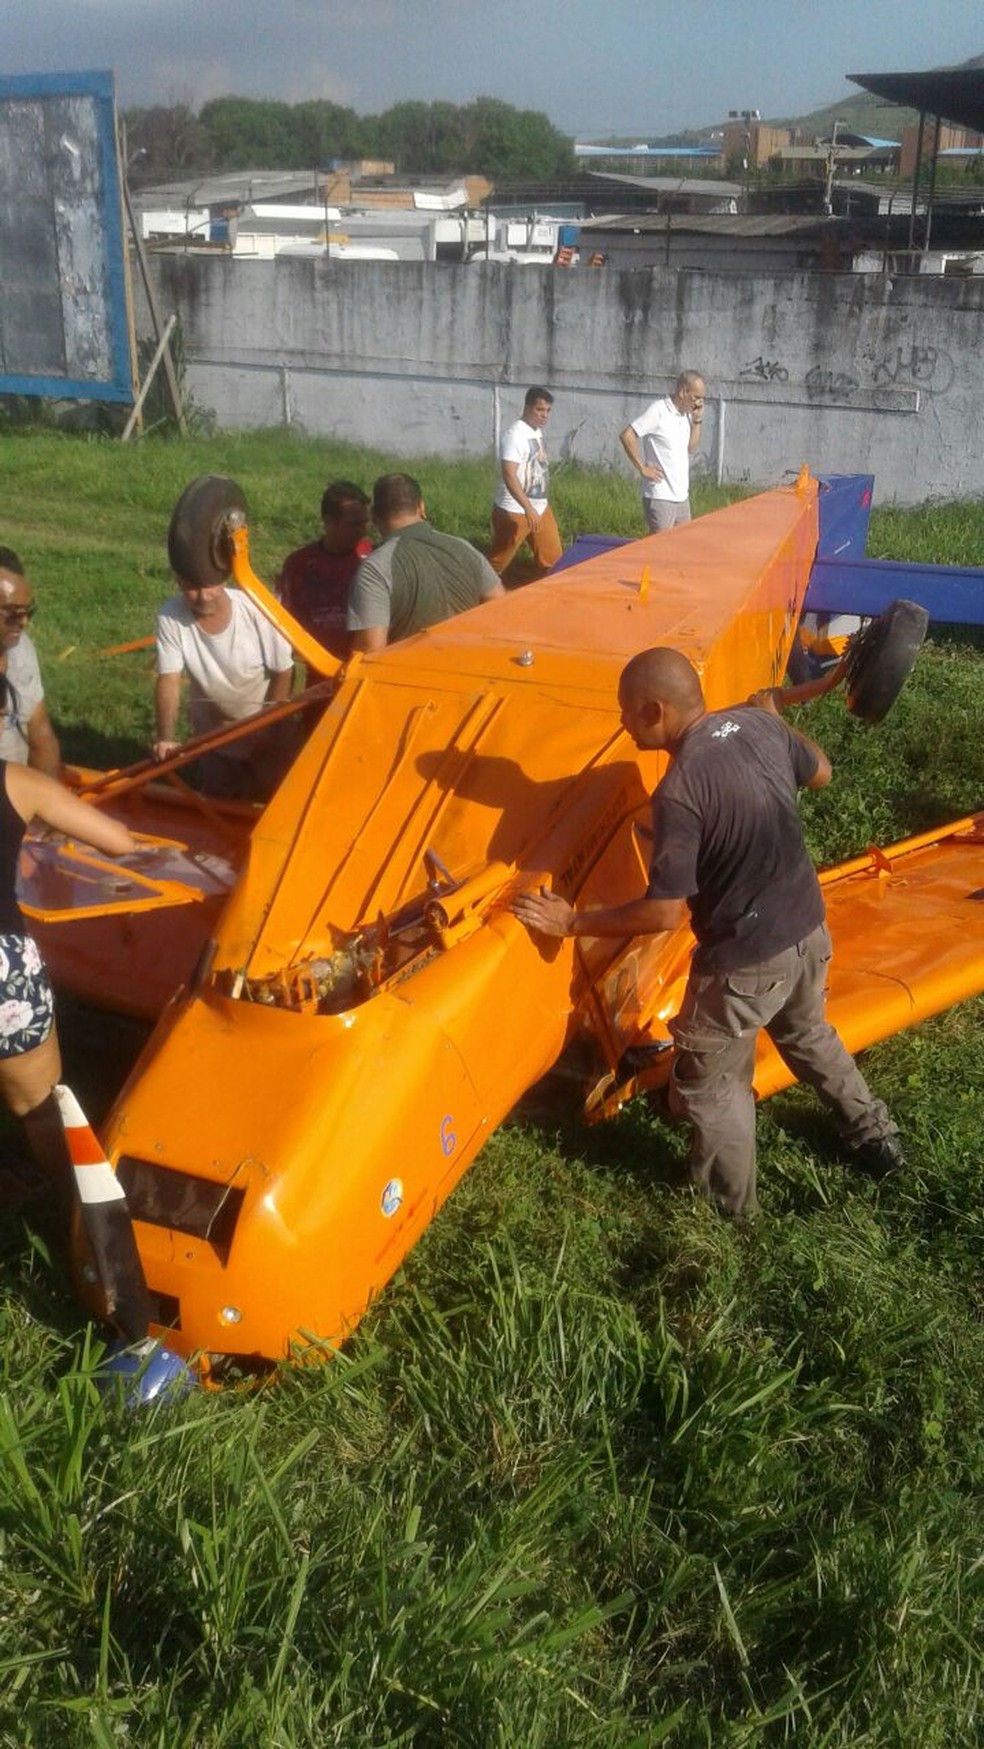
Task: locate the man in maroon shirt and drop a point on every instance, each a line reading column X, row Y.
column 314, row 580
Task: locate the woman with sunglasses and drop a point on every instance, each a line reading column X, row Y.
column 26, row 734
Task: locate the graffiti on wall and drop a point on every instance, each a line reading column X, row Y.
column 913, row 366
column 921, row 367
column 764, row 370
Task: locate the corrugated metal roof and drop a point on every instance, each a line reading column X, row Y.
column 955, row 93
column 240, row 187
column 234, row 186
column 717, row 224
column 700, row 185
column 585, row 151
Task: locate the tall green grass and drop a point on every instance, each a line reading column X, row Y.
column 598, row 1469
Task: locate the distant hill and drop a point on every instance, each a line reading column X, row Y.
column 864, row 113
column 861, row 112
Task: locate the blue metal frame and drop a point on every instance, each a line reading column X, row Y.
column 101, row 88
column 952, row 595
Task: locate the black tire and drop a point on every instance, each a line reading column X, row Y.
column 881, row 658
column 197, row 539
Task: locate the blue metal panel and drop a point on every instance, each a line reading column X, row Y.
column 91, row 84
column 101, row 331
column 845, row 507
column 587, row 546
column 951, row 594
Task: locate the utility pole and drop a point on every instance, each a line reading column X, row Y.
column 828, row 187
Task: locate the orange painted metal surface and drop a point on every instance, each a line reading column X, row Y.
column 372, row 1009
column 907, row 924
column 908, row 929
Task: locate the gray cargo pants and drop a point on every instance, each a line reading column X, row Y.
column 664, row 513
column 711, row 1084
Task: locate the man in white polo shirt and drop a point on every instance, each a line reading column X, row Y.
column 236, row 662
column 660, row 443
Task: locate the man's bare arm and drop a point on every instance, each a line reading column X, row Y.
column 769, row 699
column 167, row 700
column 372, row 638
column 629, row 440
column 549, row 914
column 279, row 685
column 43, row 751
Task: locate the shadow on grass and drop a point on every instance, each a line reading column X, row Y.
column 83, row 744
column 34, row 1263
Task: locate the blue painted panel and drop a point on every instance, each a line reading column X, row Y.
column 951, row 594
column 844, row 507
column 587, row 546
column 63, row 318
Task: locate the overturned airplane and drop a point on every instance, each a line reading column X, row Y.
column 349, row 1007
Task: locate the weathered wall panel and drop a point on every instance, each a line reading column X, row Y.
column 63, row 328
column 844, row 372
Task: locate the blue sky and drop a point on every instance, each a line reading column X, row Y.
column 594, row 66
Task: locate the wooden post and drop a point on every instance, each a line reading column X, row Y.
column 131, row 324
column 162, row 352
column 155, row 316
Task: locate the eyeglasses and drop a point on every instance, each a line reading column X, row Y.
column 13, row 616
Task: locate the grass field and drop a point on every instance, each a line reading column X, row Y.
column 599, row 1469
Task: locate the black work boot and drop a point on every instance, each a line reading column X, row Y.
column 881, row 1155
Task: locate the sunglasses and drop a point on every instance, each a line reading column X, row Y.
column 13, row 616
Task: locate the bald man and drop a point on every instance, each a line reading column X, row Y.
column 727, row 841
column 660, row 444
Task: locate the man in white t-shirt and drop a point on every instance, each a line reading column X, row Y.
column 660, row 443
column 236, row 662
column 521, row 511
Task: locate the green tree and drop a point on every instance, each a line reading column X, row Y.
column 422, row 138
column 507, row 142
column 241, row 133
column 324, row 131
column 487, row 136
column 252, row 134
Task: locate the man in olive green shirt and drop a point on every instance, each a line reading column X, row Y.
column 416, row 577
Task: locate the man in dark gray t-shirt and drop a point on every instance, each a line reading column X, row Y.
column 727, row 837
column 728, row 843
column 416, row 577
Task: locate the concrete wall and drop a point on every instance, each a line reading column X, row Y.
column 844, row 372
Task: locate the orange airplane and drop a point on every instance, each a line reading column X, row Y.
column 358, row 1009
